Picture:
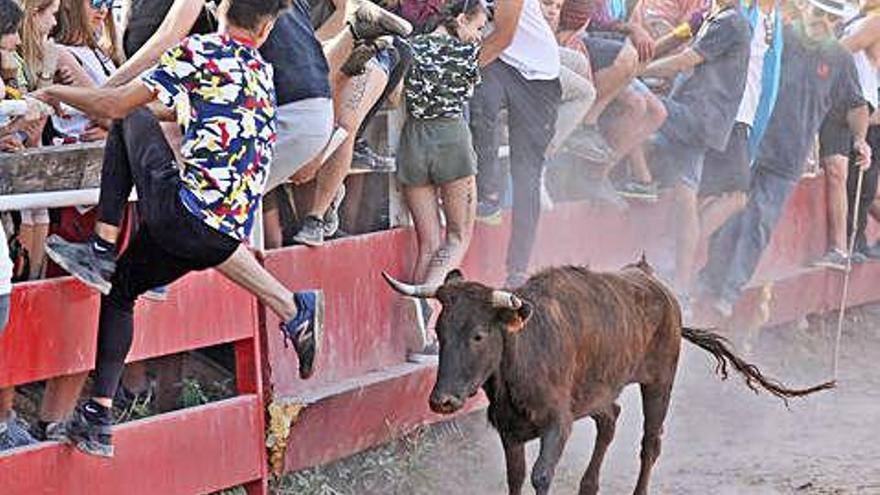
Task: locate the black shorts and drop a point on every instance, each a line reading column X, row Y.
column 603, row 51
column 835, row 137
column 728, row 171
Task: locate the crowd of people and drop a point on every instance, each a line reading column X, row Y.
column 212, row 112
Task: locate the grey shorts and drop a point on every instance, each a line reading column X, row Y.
column 603, row 51
column 304, row 129
column 435, row 151
column 835, row 138
column 729, row 170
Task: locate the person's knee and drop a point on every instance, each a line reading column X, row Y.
column 627, row 62
column 655, row 112
column 836, row 170
column 632, row 104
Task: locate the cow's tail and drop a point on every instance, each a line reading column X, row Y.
column 720, row 348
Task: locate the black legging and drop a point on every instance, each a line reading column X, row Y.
column 169, row 243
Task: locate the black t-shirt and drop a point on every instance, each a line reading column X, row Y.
column 301, row 70
column 816, row 77
column 713, row 92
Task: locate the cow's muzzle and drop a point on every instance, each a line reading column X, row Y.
column 445, row 403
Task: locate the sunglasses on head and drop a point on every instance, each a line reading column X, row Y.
column 102, row 4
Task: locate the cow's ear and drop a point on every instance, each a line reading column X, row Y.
column 515, row 320
column 454, row 276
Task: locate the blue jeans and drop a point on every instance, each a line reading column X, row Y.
column 735, row 249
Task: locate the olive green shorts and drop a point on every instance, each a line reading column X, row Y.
column 435, row 151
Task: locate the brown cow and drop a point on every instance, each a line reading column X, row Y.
column 561, row 347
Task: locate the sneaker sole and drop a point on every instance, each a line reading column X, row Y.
column 830, row 266
column 103, row 287
column 155, row 296
column 307, row 242
column 493, row 220
column 318, row 331
column 651, row 198
column 86, row 448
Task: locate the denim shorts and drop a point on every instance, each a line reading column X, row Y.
column 5, row 301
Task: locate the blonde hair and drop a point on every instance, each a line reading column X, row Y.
column 73, row 29
column 32, row 48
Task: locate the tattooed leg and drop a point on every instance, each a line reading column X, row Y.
column 459, row 207
column 352, row 104
column 422, row 204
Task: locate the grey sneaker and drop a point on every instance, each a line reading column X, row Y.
column 83, row 261
column 14, row 433
column 370, row 21
column 639, row 190
column 331, row 216
column 365, row 158
column 589, row 144
column 311, row 233
column 833, row 259
column 489, row 212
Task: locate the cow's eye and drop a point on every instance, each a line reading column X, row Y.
column 478, row 337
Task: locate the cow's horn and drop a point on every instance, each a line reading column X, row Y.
column 504, row 299
column 422, row 291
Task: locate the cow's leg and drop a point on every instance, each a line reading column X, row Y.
column 655, row 403
column 553, row 440
column 606, row 422
column 515, row 457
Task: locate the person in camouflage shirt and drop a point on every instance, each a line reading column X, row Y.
column 436, row 158
column 443, row 75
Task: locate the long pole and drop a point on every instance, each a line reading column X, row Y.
column 845, row 293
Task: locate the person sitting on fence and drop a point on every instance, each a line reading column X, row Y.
column 196, row 214
column 817, row 74
column 625, row 113
column 435, row 159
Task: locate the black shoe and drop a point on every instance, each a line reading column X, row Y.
column 370, row 21
column 50, row 431
column 84, row 261
column 365, row 158
column 306, row 330
column 356, row 63
column 89, row 429
column 311, row 233
column 362, row 158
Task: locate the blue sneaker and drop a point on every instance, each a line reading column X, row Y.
column 306, row 329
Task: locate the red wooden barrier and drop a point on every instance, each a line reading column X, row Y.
column 198, row 450
column 364, row 392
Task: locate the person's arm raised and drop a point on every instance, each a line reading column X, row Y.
column 177, row 24
column 864, row 37
column 507, row 14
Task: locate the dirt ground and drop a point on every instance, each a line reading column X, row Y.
column 720, row 438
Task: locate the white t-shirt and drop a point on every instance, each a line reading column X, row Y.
column 748, row 108
column 534, row 51
column 99, row 68
column 868, row 73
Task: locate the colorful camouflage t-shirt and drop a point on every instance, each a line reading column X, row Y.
column 225, row 101
column 442, row 77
